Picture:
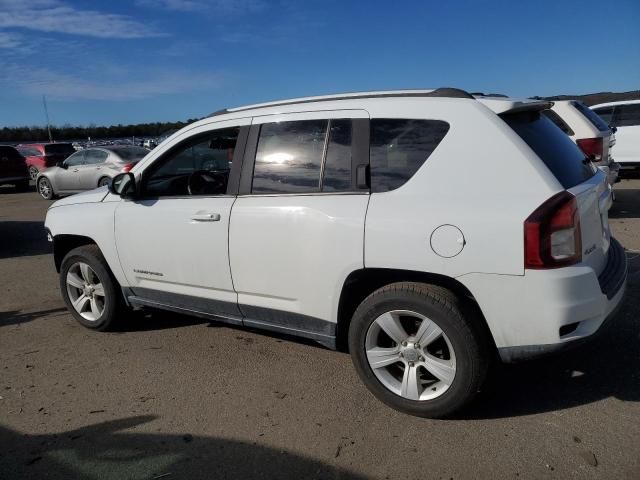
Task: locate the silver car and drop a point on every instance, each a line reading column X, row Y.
column 88, row 169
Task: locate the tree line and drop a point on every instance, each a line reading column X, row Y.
column 70, row 132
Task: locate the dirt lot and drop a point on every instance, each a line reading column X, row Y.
column 177, row 397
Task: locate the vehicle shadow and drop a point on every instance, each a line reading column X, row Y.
column 14, row 317
column 10, row 189
column 627, row 204
column 23, row 239
column 606, row 367
column 107, row 451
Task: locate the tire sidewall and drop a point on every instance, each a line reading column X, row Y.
column 33, row 169
column 458, row 392
column 44, row 179
column 98, row 266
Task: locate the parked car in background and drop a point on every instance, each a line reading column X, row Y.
column 625, row 117
column 87, row 169
column 13, row 169
column 590, row 132
column 386, row 223
column 44, row 155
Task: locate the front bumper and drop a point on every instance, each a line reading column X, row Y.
column 545, row 311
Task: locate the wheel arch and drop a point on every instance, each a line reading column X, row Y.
column 359, row 284
column 63, row 244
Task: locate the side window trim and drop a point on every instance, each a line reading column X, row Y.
column 359, row 157
column 234, row 174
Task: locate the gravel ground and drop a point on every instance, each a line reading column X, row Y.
column 177, row 397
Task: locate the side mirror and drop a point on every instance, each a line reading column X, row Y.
column 123, row 185
column 62, row 165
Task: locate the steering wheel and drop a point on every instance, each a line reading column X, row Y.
column 203, row 182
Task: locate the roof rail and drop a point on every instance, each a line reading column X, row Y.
column 438, row 92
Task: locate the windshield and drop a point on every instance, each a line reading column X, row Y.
column 563, row 157
column 130, row 154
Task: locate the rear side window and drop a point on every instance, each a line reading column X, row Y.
column 130, row 154
column 30, row 151
column 627, row 115
column 10, row 153
column 399, row 147
column 92, row 157
column 65, row 149
column 558, row 122
column 592, row 116
column 605, row 113
column 555, row 149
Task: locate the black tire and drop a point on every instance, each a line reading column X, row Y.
column 33, row 173
column 114, row 304
column 103, row 181
column 467, row 337
column 22, row 186
column 46, row 193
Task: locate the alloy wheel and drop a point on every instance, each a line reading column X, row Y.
column 410, row 355
column 33, row 173
column 44, row 187
column 85, row 291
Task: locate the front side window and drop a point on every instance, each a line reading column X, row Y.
column 399, row 147
column 75, row 159
column 289, row 157
column 627, row 115
column 93, row 157
column 197, row 166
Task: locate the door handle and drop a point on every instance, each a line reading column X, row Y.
column 75, row 170
column 206, row 217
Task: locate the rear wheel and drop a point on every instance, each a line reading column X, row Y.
column 88, row 288
column 33, row 173
column 104, row 181
column 45, row 189
column 415, row 351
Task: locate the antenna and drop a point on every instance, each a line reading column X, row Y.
column 46, row 114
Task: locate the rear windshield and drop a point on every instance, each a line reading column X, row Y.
column 592, row 116
column 555, row 149
column 59, row 149
column 130, row 154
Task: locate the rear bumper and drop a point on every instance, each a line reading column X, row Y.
column 545, row 311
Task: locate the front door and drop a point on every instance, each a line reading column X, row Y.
column 173, row 240
column 68, row 178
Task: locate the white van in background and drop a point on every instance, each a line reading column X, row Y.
column 625, row 117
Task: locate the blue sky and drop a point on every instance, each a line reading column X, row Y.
column 166, row 60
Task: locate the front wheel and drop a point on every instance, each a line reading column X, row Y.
column 415, row 350
column 88, row 288
column 45, row 189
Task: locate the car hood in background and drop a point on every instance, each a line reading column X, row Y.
column 90, row 196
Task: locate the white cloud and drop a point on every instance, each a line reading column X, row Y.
column 58, row 16
column 222, row 7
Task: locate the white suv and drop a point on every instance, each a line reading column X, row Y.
column 422, row 230
column 590, row 132
column 625, row 117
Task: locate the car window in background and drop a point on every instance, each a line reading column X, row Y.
column 10, row 153
column 93, row 157
column 605, row 113
column 399, row 148
column 555, row 118
column 29, row 151
column 59, row 149
column 592, row 116
column 130, row 154
column 555, row 149
column 337, row 164
column 75, row 159
column 627, row 115
column 289, row 157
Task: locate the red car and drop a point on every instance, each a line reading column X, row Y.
column 13, row 170
column 44, row 155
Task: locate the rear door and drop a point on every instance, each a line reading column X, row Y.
column 587, row 183
column 297, row 227
column 90, row 173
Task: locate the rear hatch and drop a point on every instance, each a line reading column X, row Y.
column 576, row 175
column 57, row 152
column 12, row 164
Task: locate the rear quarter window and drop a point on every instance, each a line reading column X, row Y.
column 592, row 116
column 399, row 147
column 59, row 149
column 553, row 147
column 559, row 122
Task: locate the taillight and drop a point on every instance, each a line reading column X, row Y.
column 592, row 147
column 552, row 235
column 127, row 167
